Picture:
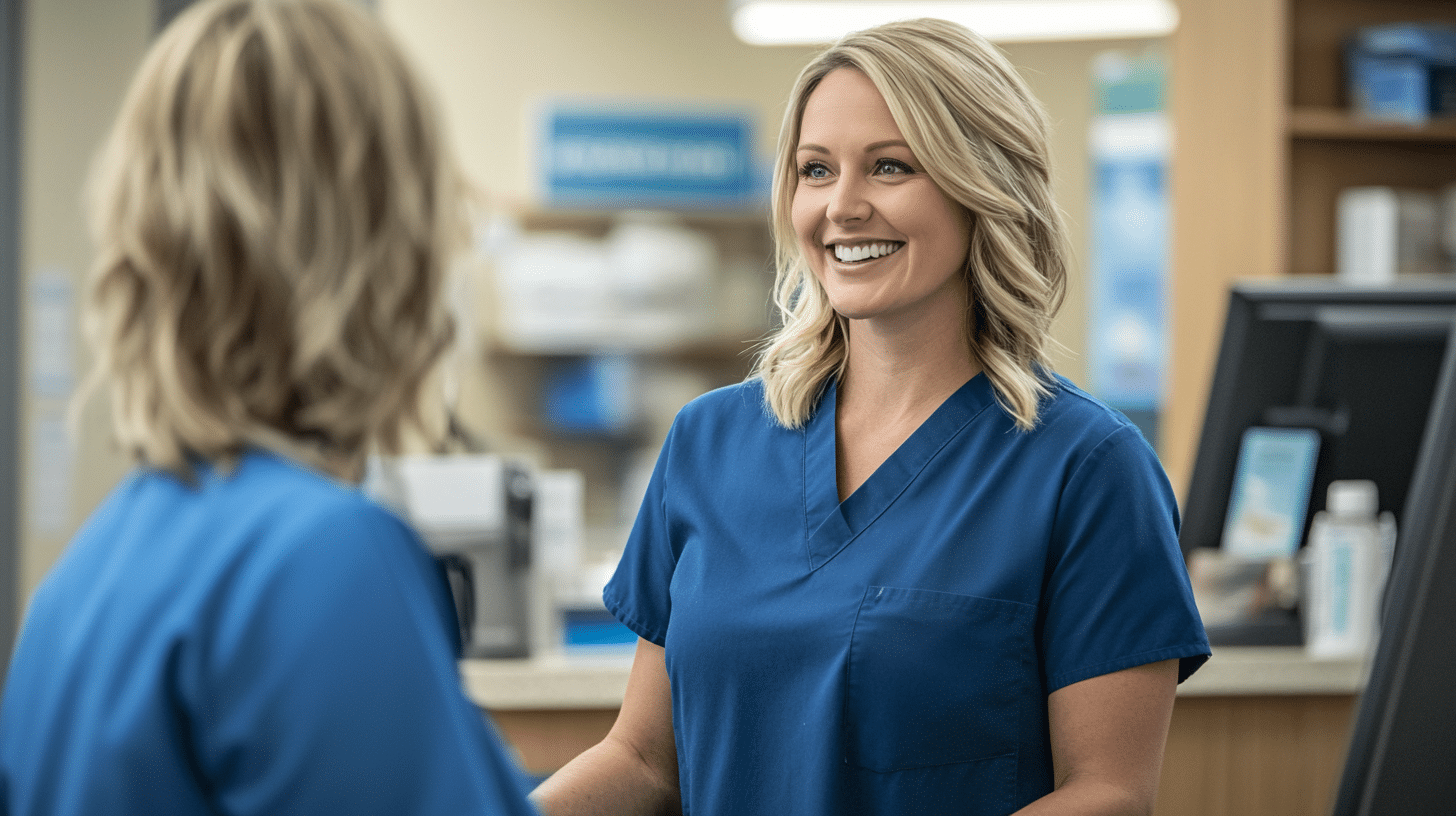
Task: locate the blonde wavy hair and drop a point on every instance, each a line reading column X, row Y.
column 275, row 211
column 982, row 137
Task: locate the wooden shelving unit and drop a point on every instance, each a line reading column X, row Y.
column 1264, row 144
column 1339, row 124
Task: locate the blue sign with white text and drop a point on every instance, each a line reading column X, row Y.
column 610, row 157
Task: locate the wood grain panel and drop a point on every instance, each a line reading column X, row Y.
column 1254, row 756
column 1228, row 190
column 546, row 739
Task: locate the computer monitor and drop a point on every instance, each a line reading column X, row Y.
column 1358, row 365
column 1400, row 758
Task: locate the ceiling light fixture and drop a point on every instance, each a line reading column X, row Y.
column 809, row 22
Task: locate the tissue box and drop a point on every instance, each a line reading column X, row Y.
column 1382, row 232
column 1403, row 72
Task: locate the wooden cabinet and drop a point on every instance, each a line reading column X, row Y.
column 1263, row 145
column 1255, row 755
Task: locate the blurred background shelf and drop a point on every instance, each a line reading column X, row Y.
column 1309, row 122
column 597, row 325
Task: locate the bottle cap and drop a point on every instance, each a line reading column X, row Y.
column 1353, row 497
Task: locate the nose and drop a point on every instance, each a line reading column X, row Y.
column 848, row 200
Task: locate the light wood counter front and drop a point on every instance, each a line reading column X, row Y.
column 549, row 709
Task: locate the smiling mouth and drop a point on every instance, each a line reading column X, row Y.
column 865, row 252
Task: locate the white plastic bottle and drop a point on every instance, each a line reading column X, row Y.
column 1347, row 572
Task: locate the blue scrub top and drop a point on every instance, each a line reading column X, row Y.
column 266, row 642
column 893, row 653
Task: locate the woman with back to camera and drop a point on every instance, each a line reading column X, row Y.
column 237, row 629
column 905, row 569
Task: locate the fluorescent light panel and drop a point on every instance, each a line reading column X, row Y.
column 807, row 22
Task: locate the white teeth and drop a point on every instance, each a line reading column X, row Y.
column 848, row 254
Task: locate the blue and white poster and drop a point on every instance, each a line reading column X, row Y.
column 613, row 154
column 1127, row 326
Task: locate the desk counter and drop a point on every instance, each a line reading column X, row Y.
column 1257, row 731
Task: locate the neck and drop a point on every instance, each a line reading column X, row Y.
column 899, row 371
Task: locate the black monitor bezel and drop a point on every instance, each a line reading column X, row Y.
column 1207, row 494
column 1399, row 758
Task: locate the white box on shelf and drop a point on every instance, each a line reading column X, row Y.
column 648, row 284
column 1382, row 232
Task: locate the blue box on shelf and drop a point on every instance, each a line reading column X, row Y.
column 1403, row 72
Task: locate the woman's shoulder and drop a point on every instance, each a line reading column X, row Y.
column 739, row 402
column 272, row 481
column 726, row 421
column 228, row 529
column 271, row 477
column 1071, row 416
column 266, row 502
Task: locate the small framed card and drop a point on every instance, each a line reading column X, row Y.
column 1270, row 493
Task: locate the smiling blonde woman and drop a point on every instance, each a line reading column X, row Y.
column 982, row 138
column 906, row 569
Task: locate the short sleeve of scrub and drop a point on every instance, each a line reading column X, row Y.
column 347, row 664
column 639, row 595
column 1105, row 601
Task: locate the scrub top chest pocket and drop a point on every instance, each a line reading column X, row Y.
column 936, row 678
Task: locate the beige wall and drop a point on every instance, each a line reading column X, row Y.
column 490, row 62
column 79, row 55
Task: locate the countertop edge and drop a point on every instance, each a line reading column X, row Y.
column 598, row 682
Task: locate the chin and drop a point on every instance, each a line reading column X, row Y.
column 860, row 311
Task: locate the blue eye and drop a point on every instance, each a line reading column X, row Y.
column 814, row 170
column 891, row 167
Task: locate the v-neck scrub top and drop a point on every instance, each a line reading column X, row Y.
column 893, row 653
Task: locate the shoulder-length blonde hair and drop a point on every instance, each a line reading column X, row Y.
column 982, row 136
column 274, row 211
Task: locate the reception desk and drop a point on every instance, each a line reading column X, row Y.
column 1256, row 731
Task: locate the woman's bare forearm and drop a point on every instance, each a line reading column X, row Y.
column 609, row 779
column 634, row 770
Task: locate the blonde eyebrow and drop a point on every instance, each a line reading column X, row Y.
column 887, row 143
column 813, row 148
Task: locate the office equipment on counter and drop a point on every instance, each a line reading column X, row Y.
column 569, row 617
column 1347, row 563
column 1256, row 597
column 474, row 513
column 1400, row 758
column 1403, row 72
column 1357, row 365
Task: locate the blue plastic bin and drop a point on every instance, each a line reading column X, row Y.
column 1403, row 72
